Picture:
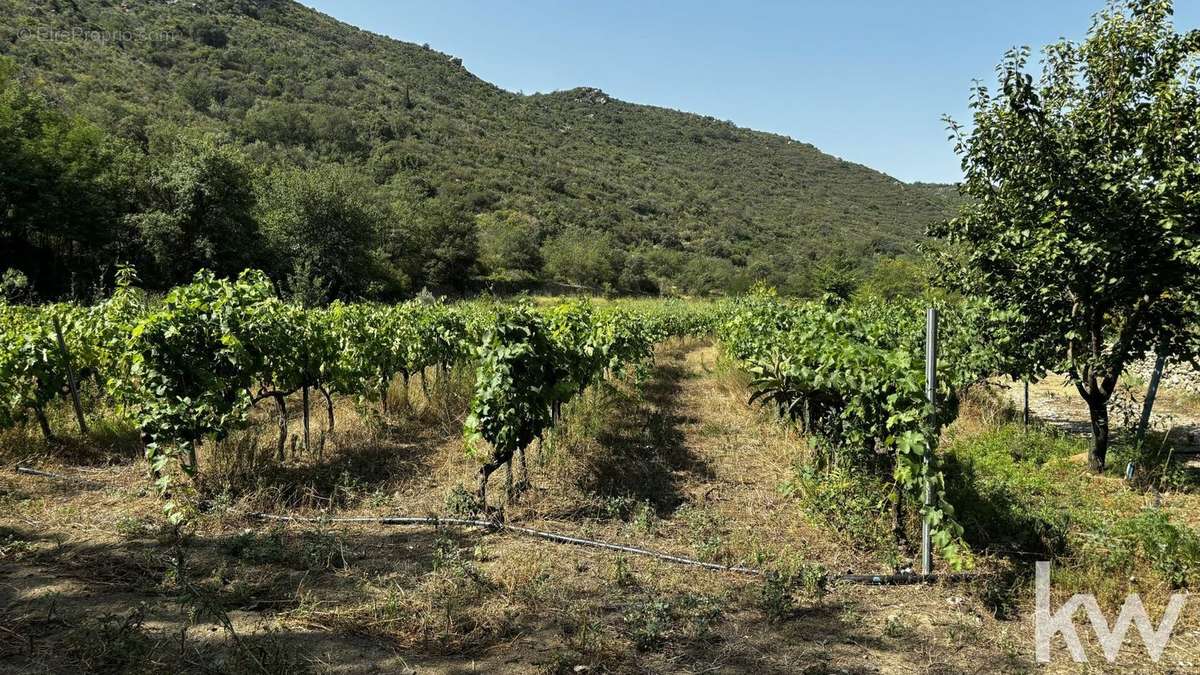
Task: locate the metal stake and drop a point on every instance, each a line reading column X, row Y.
column 1025, row 412
column 931, row 326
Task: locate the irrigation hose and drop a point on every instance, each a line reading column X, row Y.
column 866, row 579
column 57, row 476
column 493, row 525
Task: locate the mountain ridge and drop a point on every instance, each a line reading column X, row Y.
column 697, row 204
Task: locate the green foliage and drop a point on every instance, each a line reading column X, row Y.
column 1084, row 190
column 32, row 369
column 688, row 203
column 584, row 258
column 1172, row 550
column 509, row 247
column 194, row 361
column 1008, row 498
column 513, row 383
column 1020, row 495
column 853, row 377
column 848, row 501
column 64, row 185
column 895, row 279
column 327, row 232
column 651, row 622
column 199, row 212
column 529, row 364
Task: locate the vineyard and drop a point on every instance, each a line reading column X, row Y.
column 787, row 445
column 190, row 368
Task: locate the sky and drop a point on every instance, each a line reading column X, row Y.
column 865, row 80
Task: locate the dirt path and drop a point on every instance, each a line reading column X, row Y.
column 1054, row 401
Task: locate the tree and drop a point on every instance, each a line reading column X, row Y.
column 508, row 245
column 430, row 237
column 836, row 276
column 895, row 279
column 1084, row 209
column 199, row 212
column 278, row 122
column 324, row 228
column 451, row 243
column 583, row 258
column 64, row 188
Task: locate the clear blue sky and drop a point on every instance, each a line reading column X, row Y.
column 867, row 81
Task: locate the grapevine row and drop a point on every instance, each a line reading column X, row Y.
column 852, row 377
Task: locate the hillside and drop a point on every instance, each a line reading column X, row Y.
column 606, row 192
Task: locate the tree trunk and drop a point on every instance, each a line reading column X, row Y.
column 508, row 481
column 486, row 472
column 307, row 447
column 328, row 407
column 404, row 401
column 193, row 461
column 44, row 423
column 281, row 408
column 383, row 395
column 1098, row 455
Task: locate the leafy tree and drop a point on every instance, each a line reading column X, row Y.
column 324, row 228
column 583, row 258
column 836, row 276
column 453, row 246
column 1084, row 210
column 894, row 279
column 431, row 238
column 64, row 187
column 283, row 123
column 200, row 212
column 300, row 89
column 635, row 277
column 508, row 245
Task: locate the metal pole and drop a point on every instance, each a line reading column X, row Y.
column 1025, row 411
column 931, row 326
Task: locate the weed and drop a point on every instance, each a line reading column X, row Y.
column 322, row 551
column 645, row 518
column 623, row 576
column 111, row 643
column 690, row 617
column 775, row 596
column 849, row 502
column 12, row 545
column 131, row 527
column 253, row 547
column 705, row 533
column 895, row 627
column 648, row 622
column 699, row 614
column 461, row 502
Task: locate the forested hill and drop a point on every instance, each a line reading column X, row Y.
column 397, row 149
